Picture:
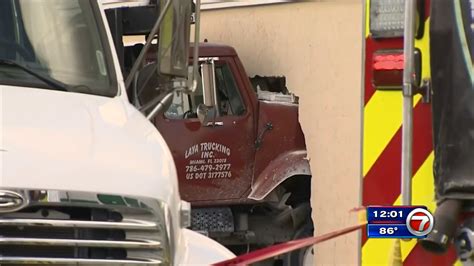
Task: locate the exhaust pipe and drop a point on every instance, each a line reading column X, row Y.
column 445, row 224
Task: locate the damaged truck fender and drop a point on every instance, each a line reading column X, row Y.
column 285, row 166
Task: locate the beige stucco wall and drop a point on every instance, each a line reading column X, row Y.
column 317, row 46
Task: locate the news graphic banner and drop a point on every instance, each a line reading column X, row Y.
column 399, row 222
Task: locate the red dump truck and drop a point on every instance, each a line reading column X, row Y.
column 245, row 172
column 239, row 150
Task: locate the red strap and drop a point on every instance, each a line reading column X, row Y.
column 279, row 249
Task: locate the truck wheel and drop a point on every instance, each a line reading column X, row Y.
column 308, row 257
column 304, row 256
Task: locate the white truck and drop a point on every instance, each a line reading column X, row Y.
column 84, row 177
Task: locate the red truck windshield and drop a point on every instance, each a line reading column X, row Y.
column 60, row 40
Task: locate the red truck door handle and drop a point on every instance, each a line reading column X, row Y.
column 214, row 124
column 259, row 141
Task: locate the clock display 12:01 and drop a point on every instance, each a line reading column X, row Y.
column 387, row 214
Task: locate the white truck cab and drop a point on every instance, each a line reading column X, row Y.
column 84, row 177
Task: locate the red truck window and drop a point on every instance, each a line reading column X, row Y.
column 229, row 98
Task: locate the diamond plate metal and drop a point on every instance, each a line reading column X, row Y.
column 212, row 220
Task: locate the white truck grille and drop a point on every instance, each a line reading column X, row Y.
column 101, row 230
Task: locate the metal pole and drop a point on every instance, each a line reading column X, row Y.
column 408, row 81
column 197, row 28
column 160, row 106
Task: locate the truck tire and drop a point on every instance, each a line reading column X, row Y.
column 303, row 256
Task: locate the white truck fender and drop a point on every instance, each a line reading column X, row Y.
column 201, row 250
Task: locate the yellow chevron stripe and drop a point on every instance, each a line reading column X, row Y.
column 382, row 119
column 377, row 251
column 424, row 45
column 423, row 194
column 367, row 18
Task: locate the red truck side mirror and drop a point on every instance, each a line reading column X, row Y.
column 208, row 111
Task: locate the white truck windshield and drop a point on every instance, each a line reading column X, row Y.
column 55, row 44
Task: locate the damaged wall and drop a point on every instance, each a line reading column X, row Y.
column 317, row 46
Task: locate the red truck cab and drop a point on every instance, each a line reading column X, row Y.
column 243, row 168
column 246, row 174
column 249, row 149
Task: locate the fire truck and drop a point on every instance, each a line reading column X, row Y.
column 431, row 81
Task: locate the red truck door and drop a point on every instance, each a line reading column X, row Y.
column 216, row 162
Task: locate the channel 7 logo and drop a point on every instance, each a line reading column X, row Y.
column 420, row 222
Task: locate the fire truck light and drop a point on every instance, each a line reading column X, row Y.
column 388, row 61
column 387, row 18
column 387, row 67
